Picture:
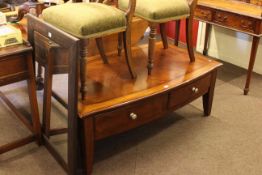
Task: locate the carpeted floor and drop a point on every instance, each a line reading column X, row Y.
column 183, row 143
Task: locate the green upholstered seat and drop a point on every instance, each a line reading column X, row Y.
column 159, row 10
column 86, row 20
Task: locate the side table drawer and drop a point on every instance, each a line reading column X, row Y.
column 236, row 21
column 203, row 13
column 13, row 68
column 187, row 93
column 131, row 116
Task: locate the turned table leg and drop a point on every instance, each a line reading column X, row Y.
column 207, row 33
column 255, row 44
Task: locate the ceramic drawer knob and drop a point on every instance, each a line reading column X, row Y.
column 133, row 116
column 195, row 90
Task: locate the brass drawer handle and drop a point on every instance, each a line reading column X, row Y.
column 133, row 116
column 246, row 24
column 221, row 18
column 204, row 14
column 195, row 90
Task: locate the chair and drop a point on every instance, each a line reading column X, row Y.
column 99, row 43
column 45, row 55
column 69, row 47
column 75, row 19
column 49, row 42
column 159, row 12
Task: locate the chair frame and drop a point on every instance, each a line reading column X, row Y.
column 153, row 33
column 72, row 48
column 127, row 47
column 125, row 38
column 50, row 69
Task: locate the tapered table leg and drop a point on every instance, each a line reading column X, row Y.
column 255, row 44
column 208, row 97
column 89, row 141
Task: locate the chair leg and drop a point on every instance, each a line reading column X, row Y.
column 151, row 46
column 189, row 38
column 177, row 33
column 120, row 44
column 163, row 35
column 47, row 95
column 83, row 60
column 33, row 100
column 100, row 46
column 128, row 53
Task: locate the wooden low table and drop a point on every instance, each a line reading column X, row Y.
column 116, row 103
column 17, row 65
column 234, row 15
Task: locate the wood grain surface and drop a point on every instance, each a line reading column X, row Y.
column 109, row 86
column 246, row 9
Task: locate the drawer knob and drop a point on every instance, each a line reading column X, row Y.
column 195, row 90
column 133, row 116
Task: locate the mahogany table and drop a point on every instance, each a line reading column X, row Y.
column 235, row 15
column 16, row 65
column 116, row 103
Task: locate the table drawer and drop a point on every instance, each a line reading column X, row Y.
column 235, row 21
column 203, row 13
column 187, row 93
column 13, row 68
column 129, row 117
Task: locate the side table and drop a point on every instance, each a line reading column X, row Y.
column 17, row 65
column 233, row 15
column 245, row 17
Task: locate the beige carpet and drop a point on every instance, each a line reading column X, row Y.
column 229, row 142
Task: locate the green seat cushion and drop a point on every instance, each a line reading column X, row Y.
column 159, row 10
column 86, row 20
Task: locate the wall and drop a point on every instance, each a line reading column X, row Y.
column 230, row 46
column 182, row 37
